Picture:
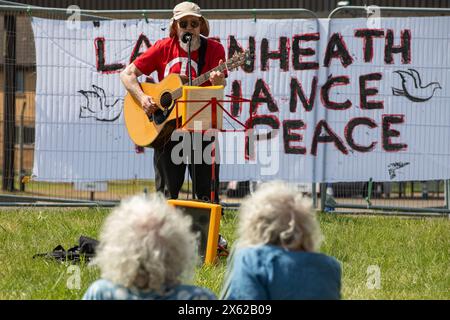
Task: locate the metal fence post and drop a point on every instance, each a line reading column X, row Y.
column 9, row 101
column 21, row 139
column 447, row 194
column 314, row 194
column 323, row 196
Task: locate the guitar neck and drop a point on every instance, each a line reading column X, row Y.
column 205, row 77
column 199, row 80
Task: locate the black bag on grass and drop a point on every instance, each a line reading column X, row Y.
column 85, row 249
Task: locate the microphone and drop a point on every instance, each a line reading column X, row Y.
column 187, row 37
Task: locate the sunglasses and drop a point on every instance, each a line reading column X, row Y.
column 184, row 24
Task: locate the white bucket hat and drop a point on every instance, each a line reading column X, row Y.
column 184, row 9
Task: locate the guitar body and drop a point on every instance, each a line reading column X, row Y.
column 152, row 131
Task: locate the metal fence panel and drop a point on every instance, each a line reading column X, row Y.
column 412, row 196
column 18, row 130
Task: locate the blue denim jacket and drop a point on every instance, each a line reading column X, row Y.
column 273, row 273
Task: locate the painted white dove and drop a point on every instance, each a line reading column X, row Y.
column 412, row 87
column 96, row 106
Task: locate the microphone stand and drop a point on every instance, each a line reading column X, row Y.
column 189, row 39
column 194, row 189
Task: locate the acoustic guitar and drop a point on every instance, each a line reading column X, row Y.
column 153, row 130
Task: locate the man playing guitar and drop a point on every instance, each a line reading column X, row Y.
column 168, row 56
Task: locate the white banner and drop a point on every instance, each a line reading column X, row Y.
column 343, row 100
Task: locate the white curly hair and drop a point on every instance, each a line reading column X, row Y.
column 277, row 214
column 147, row 244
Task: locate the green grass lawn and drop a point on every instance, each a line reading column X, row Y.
column 411, row 254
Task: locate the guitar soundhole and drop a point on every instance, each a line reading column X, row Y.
column 166, row 100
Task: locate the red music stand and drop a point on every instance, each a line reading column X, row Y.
column 213, row 104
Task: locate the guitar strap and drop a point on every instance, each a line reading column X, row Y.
column 201, row 54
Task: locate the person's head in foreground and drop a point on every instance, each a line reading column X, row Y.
column 147, row 251
column 276, row 255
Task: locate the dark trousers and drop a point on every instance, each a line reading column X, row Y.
column 169, row 176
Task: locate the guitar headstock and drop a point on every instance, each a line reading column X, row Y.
column 238, row 59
